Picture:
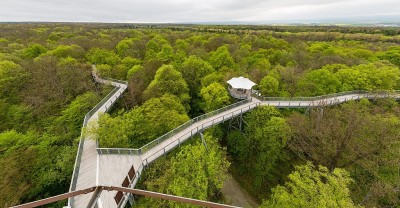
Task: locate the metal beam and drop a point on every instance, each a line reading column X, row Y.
column 170, row 197
column 55, row 198
column 98, row 190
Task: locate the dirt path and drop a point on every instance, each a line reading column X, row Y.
column 235, row 195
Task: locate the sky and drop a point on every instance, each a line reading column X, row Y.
column 186, row 11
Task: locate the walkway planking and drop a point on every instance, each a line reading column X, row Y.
column 87, row 175
column 112, row 171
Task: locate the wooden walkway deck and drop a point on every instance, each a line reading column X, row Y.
column 88, row 175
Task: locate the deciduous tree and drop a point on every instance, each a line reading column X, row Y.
column 193, row 70
column 168, row 80
column 309, row 186
column 221, row 58
column 215, row 96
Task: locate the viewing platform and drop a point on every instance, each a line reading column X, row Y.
column 240, row 87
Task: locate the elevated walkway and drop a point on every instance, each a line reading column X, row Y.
column 162, row 145
column 86, row 167
column 122, row 167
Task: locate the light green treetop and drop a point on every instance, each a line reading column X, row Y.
column 33, row 50
column 168, row 80
column 221, row 57
column 142, row 124
column 269, row 86
column 193, row 70
column 196, row 172
column 313, row 187
column 215, row 96
column 319, row 82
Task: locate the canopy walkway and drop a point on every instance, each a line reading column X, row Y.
column 117, row 167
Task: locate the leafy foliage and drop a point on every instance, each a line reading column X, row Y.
column 215, row 96
column 102, row 56
column 180, row 177
column 221, row 58
column 263, row 143
column 142, row 124
column 353, row 138
column 168, row 80
column 269, row 86
column 193, row 70
column 46, row 88
column 313, row 187
column 33, row 51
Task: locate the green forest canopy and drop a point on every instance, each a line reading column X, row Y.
column 177, row 72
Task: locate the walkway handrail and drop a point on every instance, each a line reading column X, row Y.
column 201, row 127
column 80, row 147
column 98, row 189
column 145, row 148
column 98, row 105
column 77, row 162
column 171, row 133
column 264, row 98
column 78, row 157
column 115, row 80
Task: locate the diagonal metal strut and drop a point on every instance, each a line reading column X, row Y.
column 98, row 189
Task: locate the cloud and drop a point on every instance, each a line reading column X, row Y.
column 190, row 10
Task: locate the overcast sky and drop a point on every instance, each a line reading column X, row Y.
column 162, row 11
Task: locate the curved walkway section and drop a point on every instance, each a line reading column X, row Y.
column 86, row 167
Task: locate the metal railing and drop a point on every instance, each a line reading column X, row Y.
column 263, row 98
column 236, row 95
column 132, row 184
column 81, row 142
column 198, row 128
column 116, row 93
column 116, row 80
column 178, row 129
column 169, row 134
column 297, row 102
column 124, row 151
column 192, row 129
column 99, row 105
column 77, row 164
